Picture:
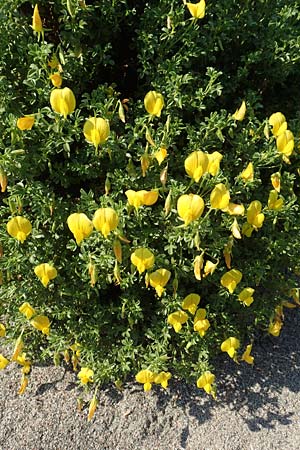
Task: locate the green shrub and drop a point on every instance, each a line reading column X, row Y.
column 159, row 176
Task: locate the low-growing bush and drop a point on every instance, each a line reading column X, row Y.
column 149, row 198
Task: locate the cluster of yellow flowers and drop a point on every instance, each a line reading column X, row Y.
column 147, row 378
column 284, row 137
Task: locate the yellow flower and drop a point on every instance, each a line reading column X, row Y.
column 141, row 198
column 248, row 173
column 45, row 272
column 235, row 229
column 201, row 324
column 19, row 345
column 37, row 24
column 190, row 207
column 254, row 215
column 142, row 258
column 80, row 225
column 240, row 112
column 159, row 279
column 197, row 10
column 276, row 181
column 177, row 319
column 105, row 220
column 41, row 323
column 86, row 375
column 2, row 330
column 161, row 155
column 146, row 377
column 285, row 143
column 205, row 382
column 278, row 122
column 25, row 123
column 191, row 302
column 274, row 202
column 246, row 355
column 27, row 310
column 275, row 327
column 247, row 229
column 19, row 227
column 231, row 279
column 62, row 101
column 230, row 346
column 26, row 363
column 245, row 296
column 154, row 103
column 96, row 130
column 214, row 160
column 219, row 197
column 162, row 378
column 56, row 79
column 196, row 165
column 92, row 408
column 3, row 362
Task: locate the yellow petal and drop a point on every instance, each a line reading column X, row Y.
column 240, row 112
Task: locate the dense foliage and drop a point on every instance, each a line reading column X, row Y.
column 149, row 169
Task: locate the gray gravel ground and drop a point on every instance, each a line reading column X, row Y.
column 258, row 408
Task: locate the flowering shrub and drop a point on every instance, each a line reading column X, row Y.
column 150, row 218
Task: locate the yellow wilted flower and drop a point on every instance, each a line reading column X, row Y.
column 201, row 324
column 154, row 103
column 162, row 378
column 3, row 362
column 145, row 163
column 3, row 180
column 143, row 259
column 197, row 10
column 231, row 279
column 285, row 143
column 56, row 79
column 246, row 296
column 25, row 123
column 105, row 220
column 23, row 361
column 235, row 229
column 276, row 181
column 278, row 122
column 24, row 384
column 240, row 112
column 246, row 355
column 2, row 330
column 27, row 310
column 206, row 381
column 198, row 265
column 41, row 323
column 230, row 346
column 161, row 155
column 19, row 227
column 86, row 375
column 80, row 225
column 190, row 207
column 219, row 197
column 159, row 279
column 214, row 160
column 45, row 272
column 92, row 408
column 117, row 248
column 248, row 173
column 18, row 348
column 275, row 327
column 177, row 319
column 37, row 24
column 274, row 202
column 145, row 377
column 96, row 130
column 209, row 268
column 190, row 303
column 62, row 101
column 196, row 165
column 234, row 209
column 254, row 215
